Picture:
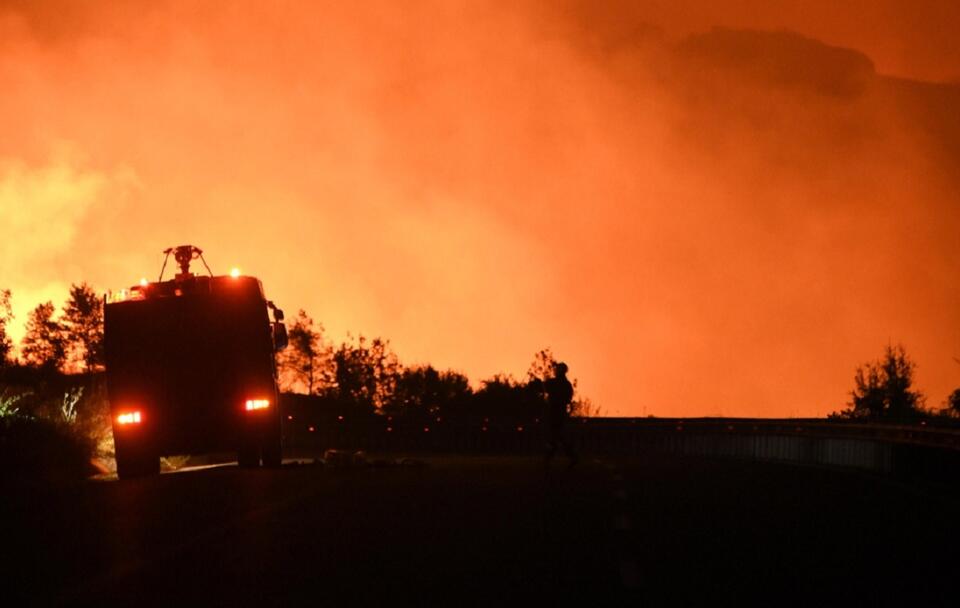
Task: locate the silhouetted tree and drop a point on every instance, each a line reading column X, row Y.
column 868, row 395
column 883, row 389
column 366, row 373
column 6, row 315
column 43, row 344
column 423, row 392
column 503, row 399
column 953, row 404
column 541, row 368
column 308, row 361
column 364, row 376
column 83, row 327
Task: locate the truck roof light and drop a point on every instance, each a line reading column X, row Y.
column 134, row 293
column 235, row 272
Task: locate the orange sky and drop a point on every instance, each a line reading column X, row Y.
column 699, row 221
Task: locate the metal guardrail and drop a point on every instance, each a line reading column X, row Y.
column 611, row 431
column 907, row 451
column 919, row 434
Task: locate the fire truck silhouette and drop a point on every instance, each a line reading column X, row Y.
column 191, row 368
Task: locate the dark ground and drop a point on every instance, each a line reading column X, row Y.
column 483, row 530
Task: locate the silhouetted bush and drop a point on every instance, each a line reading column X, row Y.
column 53, row 424
column 422, row 393
column 37, row 448
column 502, row 398
column 364, row 377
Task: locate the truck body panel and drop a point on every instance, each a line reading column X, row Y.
column 188, row 355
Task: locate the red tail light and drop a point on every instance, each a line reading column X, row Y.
column 257, row 404
column 126, row 418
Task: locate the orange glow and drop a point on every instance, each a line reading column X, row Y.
column 126, row 418
column 257, row 404
column 700, row 223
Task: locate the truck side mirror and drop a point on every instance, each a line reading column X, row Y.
column 280, row 339
column 277, row 312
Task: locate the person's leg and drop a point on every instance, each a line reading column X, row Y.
column 551, row 450
column 571, row 453
column 553, row 442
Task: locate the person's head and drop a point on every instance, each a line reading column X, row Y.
column 560, row 368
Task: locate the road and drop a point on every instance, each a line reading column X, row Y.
column 483, row 531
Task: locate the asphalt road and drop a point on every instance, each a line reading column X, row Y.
column 483, row 531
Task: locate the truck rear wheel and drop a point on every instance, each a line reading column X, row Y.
column 248, row 457
column 136, row 463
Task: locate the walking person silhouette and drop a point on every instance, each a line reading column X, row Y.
column 559, row 396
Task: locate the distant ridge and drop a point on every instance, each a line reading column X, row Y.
column 784, row 58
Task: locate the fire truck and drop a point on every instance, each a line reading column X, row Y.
column 190, row 368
